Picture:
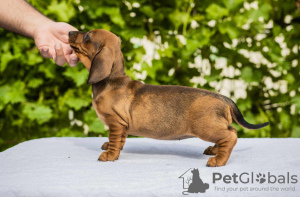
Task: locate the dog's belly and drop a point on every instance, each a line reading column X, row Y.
column 159, row 135
column 163, row 127
column 180, row 137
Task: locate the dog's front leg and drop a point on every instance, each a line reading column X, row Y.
column 115, row 143
column 106, row 144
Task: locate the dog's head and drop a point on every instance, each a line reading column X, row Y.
column 100, row 51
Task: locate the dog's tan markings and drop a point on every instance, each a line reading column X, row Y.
column 106, row 144
column 211, row 150
column 224, row 150
column 115, row 143
column 160, row 112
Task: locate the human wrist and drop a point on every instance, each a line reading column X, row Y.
column 38, row 26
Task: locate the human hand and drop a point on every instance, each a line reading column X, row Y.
column 51, row 39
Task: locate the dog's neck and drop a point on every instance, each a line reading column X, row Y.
column 109, row 82
column 116, row 79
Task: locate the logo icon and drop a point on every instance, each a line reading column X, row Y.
column 192, row 182
column 261, row 178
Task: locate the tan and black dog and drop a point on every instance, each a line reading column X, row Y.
column 160, row 112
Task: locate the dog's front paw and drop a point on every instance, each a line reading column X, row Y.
column 105, row 146
column 214, row 162
column 109, row 155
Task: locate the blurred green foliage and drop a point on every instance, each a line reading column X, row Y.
column 41, row 99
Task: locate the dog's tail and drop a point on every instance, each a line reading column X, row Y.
column 238, row 117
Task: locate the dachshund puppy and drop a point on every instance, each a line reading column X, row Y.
column 160, row 112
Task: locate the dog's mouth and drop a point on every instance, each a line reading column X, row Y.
column 75, row 48
column 78, row 50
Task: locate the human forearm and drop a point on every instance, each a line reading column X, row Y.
column 51, row 38
column 20, row 17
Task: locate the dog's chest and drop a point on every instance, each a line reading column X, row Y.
column 100, row 116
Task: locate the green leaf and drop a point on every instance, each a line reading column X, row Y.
column 33, row 58
column 296, row 100
column 35, row 82
column 148, row 10
column 244, row 104
column 78, row 76
column 257, row 76
column 296, row 132
column 214, row 75
column 289, row 78
column 77, row 102
column 38, row 112
column 130, row 32
column 70, row 132
column 5, row 59
column 193, row 44
column 262, row 11
column 115, row 15
column 177, row 18
column 13, row 93
column 285, row 119
column 215, row 11
column 229, row 28
column 233, row 4
column 1, row 105
column 97, row 127
column 49, row 70
column 63, row 11
column 247, row 74
column 150, row 70
column 156, row 64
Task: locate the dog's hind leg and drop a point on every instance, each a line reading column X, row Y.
column 224, row 150
column 213, row 150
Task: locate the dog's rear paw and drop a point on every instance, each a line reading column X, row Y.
column 109, row 156
column 213, row 162
column 211, row 150
column 105, row 146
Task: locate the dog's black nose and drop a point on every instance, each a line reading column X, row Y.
column 71, row 33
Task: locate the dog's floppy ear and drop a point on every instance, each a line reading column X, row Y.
column 101, row 65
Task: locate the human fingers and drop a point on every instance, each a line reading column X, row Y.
column 44, row 51
column 59, row 57
column 72, row 59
